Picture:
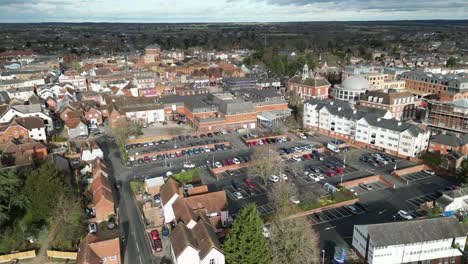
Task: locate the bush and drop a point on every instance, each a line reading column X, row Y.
column 188, row 177
column 338, row 197
column 137, row 186
column 432, row 159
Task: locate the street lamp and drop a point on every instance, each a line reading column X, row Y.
column 323, row 256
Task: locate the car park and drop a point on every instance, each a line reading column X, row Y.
column 405, row 215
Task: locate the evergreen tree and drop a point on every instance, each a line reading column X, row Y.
column 245, row 243
column 11, row 199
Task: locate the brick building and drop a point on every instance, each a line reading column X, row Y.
column 401, row 105
column 448, row 116
column 446, row 143
column 309, row 85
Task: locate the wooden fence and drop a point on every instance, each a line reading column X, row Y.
column 19, row 255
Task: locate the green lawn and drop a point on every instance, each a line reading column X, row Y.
column 188, row 177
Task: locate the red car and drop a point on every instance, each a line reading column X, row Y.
column 307, row 156
column 230, row 162
column 330, row 173
column 264, row 141
column 146, row 159
column 178, row 154
column 249, row 183
column 339, row 170
column 154, row 234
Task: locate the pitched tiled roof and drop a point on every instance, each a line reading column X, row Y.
column 30, row 122
column 316, row 81
column 168, row 190
column 405, row 232
column 181, row 237
column 183, row 212
column 449, row 140
column 206, row 238
column 211, row 202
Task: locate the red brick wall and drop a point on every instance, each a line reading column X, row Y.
column 265, row 108
column 368, row 179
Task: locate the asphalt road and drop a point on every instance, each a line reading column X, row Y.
column 134, row 247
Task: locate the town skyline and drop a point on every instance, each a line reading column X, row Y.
column 156, row 11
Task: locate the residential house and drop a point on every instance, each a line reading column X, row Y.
column 366, row 127
column 195, row 245
column 35, row 126
column 445, row 143
column 453, row 162
column 96, row 251
column 91, row 151
column 430, row 240
column 20, row 93
column 402, row 105
column 76, row 128
column 7, row 113
column 103, row 201
column 22, row 152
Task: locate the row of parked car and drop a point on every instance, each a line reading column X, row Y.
column 298, row 149
column 376, row 159
column 228, row 162
column 266, row 141
column 182, row 153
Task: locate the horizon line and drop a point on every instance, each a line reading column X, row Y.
column 237, row 22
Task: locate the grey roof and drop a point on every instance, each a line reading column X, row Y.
column 33, row 108
column 232, row 107
column 398, row 233
column 461, row 192
column 450, row 140
column 154, row 46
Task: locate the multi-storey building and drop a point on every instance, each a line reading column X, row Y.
column 425, row 83
column 401, row 105
column 378, row 77
column 449, row 116
column 309, row 85
column 366, row 127
column 428, row 241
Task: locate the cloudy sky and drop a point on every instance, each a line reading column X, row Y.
column 228, row 10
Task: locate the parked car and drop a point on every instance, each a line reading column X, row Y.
column 294, row 200
column 249, row 183
column 361, row 205
column 189, row 165
column 351, row 208
column 273, row 178
column 428, row 172
column 238, row 195
column 236, row 161
column 339, row 170
column 265, row 232
column 92, row 228
column 218, row 164
column 405, row 215
column 330, row 173
column 157, row 245
column 314, row 177
column 307, row 156
column 296, row 158
column 235, row 185
column 353, row 191
column 366, row 186
column 154, row 234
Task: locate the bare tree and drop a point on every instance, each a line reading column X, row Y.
column 265, row 162
column 292, row 239
column 296, row 168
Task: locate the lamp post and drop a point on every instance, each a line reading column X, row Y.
column 323, row 256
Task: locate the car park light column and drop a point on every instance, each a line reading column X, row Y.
column 323, row 256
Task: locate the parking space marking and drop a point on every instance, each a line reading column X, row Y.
column 416, row 176
column 418, row 200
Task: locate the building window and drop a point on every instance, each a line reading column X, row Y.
column 212, row 261
column 113, row 258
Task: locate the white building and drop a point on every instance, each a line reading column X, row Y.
column 350, row 89
column 18, row 83
column 372, row 127
column 79, row 82
column 455, row 200
column 91, row 153
column 428, row 241
column 23, row 93
column 27, row 111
